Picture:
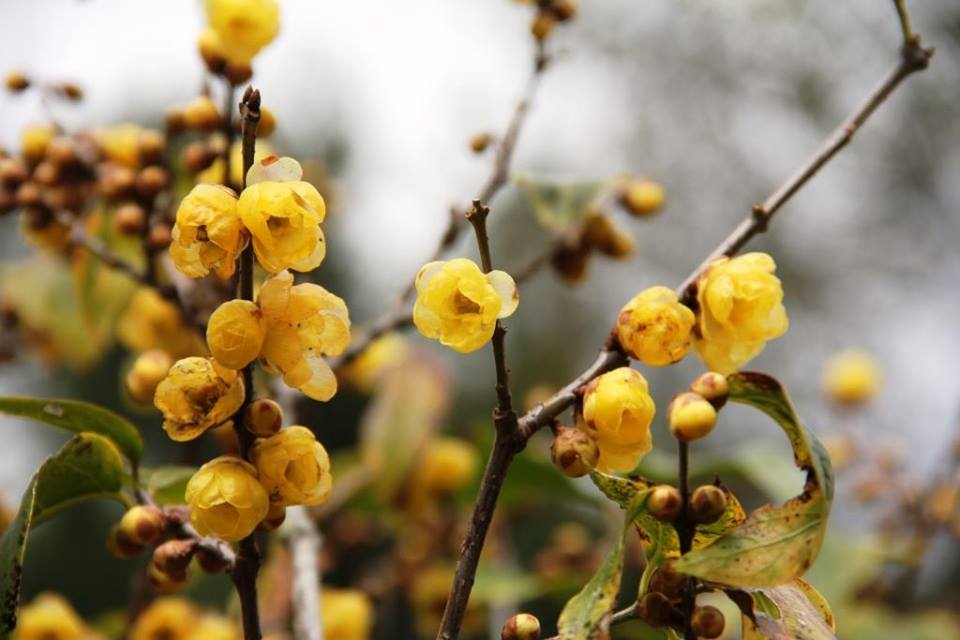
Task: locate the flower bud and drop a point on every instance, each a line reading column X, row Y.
column 120, row 545
column 152, row 180
column 62, row 152
column 569, row 261
column 657, row 611
column 175, row 121
column 563, row 10
column 164, row 582
column 642, row 197
column 16, row 81
column 267, row 124
column 211, row 562
column 542, row 25
column 851, row 377
column 142, row 524
column 480, row 142
column 690, row 417
column 275, row 517
column 669, row 582
column 198, row 156
column 173, row 556
column 713, row 387
column 601, row 234
column 263, row 417
column 116, row 182
column 152, row 144
column 574, row 452
column 13, row 172
column 34, row 141
column 210, row 48
column 201, row 114
column 159, row 237
column 665, row 503
column 47, row 173
column 238, row 73
column 523, row 626
column 707, row 622
column 707, row 504
column 129, row 219
column 70, row 91
column 147, row 371
column 28, row 194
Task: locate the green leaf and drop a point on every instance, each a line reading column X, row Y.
column 794, row 611
column 776, row 543
column 584, row 613
column 557, row 204
column 167, row 485
column 78, row 417
column 88, row 466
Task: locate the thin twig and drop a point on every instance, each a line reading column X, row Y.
column 685, row 531
column 904, row 21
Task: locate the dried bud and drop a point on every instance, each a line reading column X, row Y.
column 707, row 504
column 275, row 517
column 690, row 417
column 70, row 91
column 16, row 81
column 120, row 545
column 668, row 582
column 202, row 114
column 642, row 197
column 210, row 561
column 657, row 611
column 142, row 524
column 523, row 626
column 263, row 417
column 163, row 582
column 713, row 387
column 147, row 371
column 237, row 74
column 707, row 622
column 543, row 23
column 175, row 121
column 569, row 261
column 173, row 556
column 563, row 10
column 151, row 146
column 129, row 219
column 601, row 234
column 62, row 152
column 46, row 173
column 574, row 452
column 13, row 172
column 116, row 182
column 159, row 236
column 198, row 156
column 480, row 142
column 151, row 181
column 665, row 503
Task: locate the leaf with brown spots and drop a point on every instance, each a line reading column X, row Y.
column 794, row 611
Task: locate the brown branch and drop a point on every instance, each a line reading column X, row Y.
column 685, row 532
column 248, row 557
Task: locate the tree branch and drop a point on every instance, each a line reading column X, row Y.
column 304, row 541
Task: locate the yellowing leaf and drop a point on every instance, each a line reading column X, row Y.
column 799, row 613
column 557, row 204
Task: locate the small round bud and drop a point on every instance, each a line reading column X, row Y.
column 707, row 622
column 657, row 611
column 642, row 197
column 173, row 556
column 120, row 545
column 164, row 582
column 198, row 156
column 707, row 504
column 151, row 146
column 263, row 417
column 275, row 517
column 569, row 261
column 690, row 417
column 16, row 81
column 70, row 91
column 62, row 152
column 668, row 582
column 151, row 181
column 601, row 234
column 480, row 142
column 142, row 524
column 563, row 10
column 13, row 172
column 238, row 73
column 129, row 219
column 851, row 377
column 147, row 371
column 523, row 626
column 201, row 114
column 159, row 237
column 208, row 44
column 665, row 503
column 116, row 182
column 713, row 387
column 46, row 173
column 211, row 562
column 542, row 25
column 267, row 124
column 574, row 452
column 175, row 121
column 28, row 194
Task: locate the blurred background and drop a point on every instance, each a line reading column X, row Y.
column 716, row 101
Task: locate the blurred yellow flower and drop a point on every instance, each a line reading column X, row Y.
column 458, row 304
column 347, row 614
column 303, row 323
column 740, row 309
column 655, row 328
column 167, row 618
column 151, row 322
column 642, row 197
column 121, row 143
column 235, row 333
column 383, row 354
column 196, row 395
column 293, row 467
column 34, row 141
column 617, row 412
column 447, row 465
column 226, row 500
column 207, row 235
column 243, row 27
column 283, row 215
column 49, row 617
column 214, row 627
column 851, row 377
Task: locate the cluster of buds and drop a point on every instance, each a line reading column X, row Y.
column 549, row 14
column 693, row 414
column 661, row 606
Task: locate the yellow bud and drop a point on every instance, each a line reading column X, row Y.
column 655, row 328
column 707, row 504
column 691, row 417
column 263, row 417
column 713, row 387
column 707, row 622
column 121, row 546
column 215, row 627
column 16, row 81
column 34, row 141
column 574, row 452
column 601, row 234
column 851, row 377
column 129, row 219
column 142, row 524
column 447, row 465
column 617, row 412
column 243, row 27
column 170, row 618
column 275, row 517
column 480, row 142
column 226, row 499
column 642, row 197
column 522, row 626
column 164, row 581
column 665, row 503
column 293, row 467
column 147, row 371
column 347, row 614
column 542, row 25
column 267, row 124
column 202, row 114
column 50, row 617
column 151, row 181
column 235, row 333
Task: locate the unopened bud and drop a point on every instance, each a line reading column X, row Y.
column 275, row 517
column 542, row 25
column 664, row 503
column 657, row 611
column 28, row 194
column 480, row 142
column 142, row 524
column 713, row 387
column 120, row 545
column 601, row 234
column 707, row 622
column 151, row 146
column 569, row 261
column 147, row 371
column 707, row 504
column 175, row 121
column 16, row 81
column 690, row 417
column 164, row 582
column 13, row 172
column 208, row 44
column 211, row 562
column 151, row 181
column 116, row 182
column 173, row 556
column 523, row 626
column 46, row 173
column 202, row 114
column 563, row 10
column 159, row 237
column 238, row 73
column 198, row 156
column 129, row 219
column 642, row 197
column 263, row 417
column 62, row 152
column 574, row 452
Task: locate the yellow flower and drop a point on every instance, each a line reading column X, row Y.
column 641, row 197
column 151, row 322
column 34, row 141
column 214, row 627
column 244, row 27
column 207, row 234
column 121, row 143
column 347, row 614
column 384, row 354
column 851, row 377
column 655, row 328
column 283, row 215
column 167, row 618
column 226, row 500
column 741, row 308
column 235, row 333
column 459, row 305
column 49, row 617
column 617, row 412
column 303, row 323
column 294, row 468
column 447, row 465
column 196, row 395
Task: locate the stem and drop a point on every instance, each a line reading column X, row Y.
column 229, row 133
column 685, row 531
column 248, row 555
column 304, row 541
